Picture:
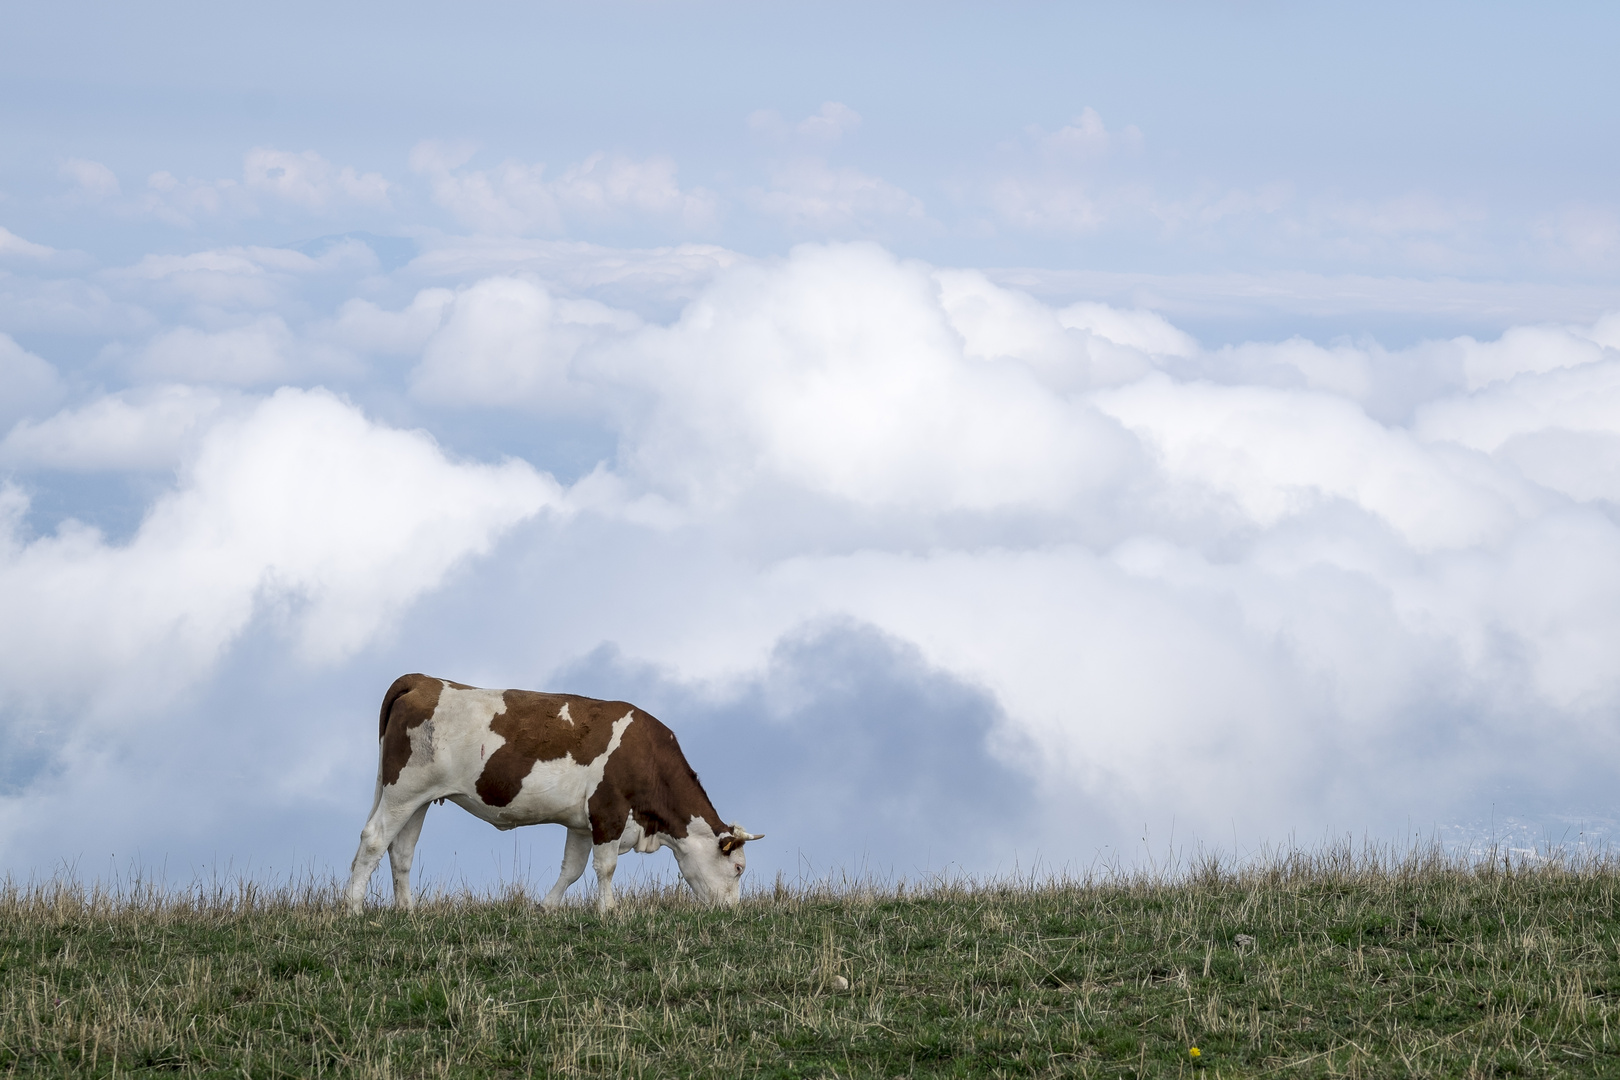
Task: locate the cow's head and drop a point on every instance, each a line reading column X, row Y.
column 713, row 864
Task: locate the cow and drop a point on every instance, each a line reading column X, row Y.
column 608, row 771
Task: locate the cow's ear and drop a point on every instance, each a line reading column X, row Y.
column 730, row 844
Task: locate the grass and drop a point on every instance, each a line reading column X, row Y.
column 1361, row 964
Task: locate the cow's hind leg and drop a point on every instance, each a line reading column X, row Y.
column 388, row 817
column 606, row 859
column 575, row 852
column 399, row 857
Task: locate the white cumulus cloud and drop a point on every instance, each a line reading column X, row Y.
column 840, row 369
column 299, row 505
column 147, row 428
column 507, row 341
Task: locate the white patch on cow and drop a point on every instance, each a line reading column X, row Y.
column 562, row 713
column 557, row 791
column 442, row 746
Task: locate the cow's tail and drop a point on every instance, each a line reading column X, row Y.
column 402, row 686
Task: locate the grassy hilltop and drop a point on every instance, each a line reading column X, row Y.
column 1359, row 966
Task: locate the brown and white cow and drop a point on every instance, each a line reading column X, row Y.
column 608, row 771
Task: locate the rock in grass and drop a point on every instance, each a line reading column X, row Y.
column 839, row 983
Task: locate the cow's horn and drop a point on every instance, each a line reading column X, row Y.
column 743, row 835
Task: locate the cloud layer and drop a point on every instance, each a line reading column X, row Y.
column 925, row 570
column 1023, row 195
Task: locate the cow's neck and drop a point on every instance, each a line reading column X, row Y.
column 691, row 801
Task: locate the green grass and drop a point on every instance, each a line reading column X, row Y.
column 1361, row 966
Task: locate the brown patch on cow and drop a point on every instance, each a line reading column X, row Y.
column 648, row 776
column 534, row 731
column 408, row 703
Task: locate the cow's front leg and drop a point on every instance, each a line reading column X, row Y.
column 399, row 857
column 605, row 857
column 575, row 852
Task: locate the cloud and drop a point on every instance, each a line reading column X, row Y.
column 998, row 324
column 1343, row 370
column 507, row 341
column 309, row 180
column 814, row 198
column 1558, row 425
column 262, row 351
column 14, row 246
column 297, row 508
column 811, row 197
column 150, row 428
column 1057, row 181
column 1581, row 236
column 1277, row 454
column 1146, row 331
column 1086, row 136
column 183, row 203
column 1530, row 349
column 1124, row 577
column 840, row 370
column 1087, row 179
column 649, row 281
column 92, row 180
column 832, row 121
column 28, row 383
column 364, row 326
column 602, row 190
column 236, row 278
column 1394, row 384
column 827, row 124
column 1234, row 580
column 271, row 179
column 1044, row 204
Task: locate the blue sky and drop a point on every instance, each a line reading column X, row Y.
column 1165, row 417
column 1448, row 140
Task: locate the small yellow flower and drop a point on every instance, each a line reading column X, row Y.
column 1194, row 1052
